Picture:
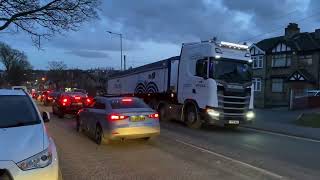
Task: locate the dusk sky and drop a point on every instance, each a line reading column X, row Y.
column 154, row 30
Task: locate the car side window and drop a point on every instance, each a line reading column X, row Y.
column 201, row 68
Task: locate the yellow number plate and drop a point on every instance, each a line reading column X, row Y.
column 137, row 118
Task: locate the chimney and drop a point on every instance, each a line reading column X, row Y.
column 317, row 33
column 291, row 30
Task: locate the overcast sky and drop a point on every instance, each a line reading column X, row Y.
column 154, row 29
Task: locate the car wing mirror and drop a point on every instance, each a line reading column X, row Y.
column 46, row 117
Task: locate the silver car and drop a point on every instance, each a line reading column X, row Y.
column 116, row 118
column 26, row 150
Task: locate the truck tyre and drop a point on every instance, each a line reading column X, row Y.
column 162, row 110
column 191, row 116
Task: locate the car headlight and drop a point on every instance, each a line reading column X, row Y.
column 250, row 115
column 213, row 113
column 40, row 160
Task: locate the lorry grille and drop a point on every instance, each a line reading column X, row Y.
column 233, row 104
column 4, row 175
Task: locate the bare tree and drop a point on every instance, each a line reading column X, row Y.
column 44, row 18
column 17, row 66
column 57, row 73
column 57, row 66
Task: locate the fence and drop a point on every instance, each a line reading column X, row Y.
column 301, row 99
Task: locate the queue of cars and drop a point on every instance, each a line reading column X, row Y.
column 105, row 118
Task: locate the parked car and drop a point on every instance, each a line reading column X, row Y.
column 115, row 118
column 68, row 103
column 26, row 150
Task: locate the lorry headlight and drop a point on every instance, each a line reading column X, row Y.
column 250, row 115
column 40, row 160
column 213, row 113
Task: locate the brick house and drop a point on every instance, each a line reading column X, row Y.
column 285, row 63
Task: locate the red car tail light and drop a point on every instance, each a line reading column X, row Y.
column 116, row 117
column 153, row 116
column 50, row 98
column 65, row 101
column 77, row 98
column 127, row 100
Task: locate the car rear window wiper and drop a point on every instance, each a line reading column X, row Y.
column 21, row 124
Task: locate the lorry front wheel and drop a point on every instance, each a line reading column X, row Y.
column 191, row 117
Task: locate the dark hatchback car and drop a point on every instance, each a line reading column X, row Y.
column 69, row 103
column 51, row 97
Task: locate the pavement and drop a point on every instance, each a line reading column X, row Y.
column 282, row 120
column 183, row 153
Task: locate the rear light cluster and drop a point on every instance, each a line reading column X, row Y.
column 114, row 117
column 65, row 101
column 153, row 116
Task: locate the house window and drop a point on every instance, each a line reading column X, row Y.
column 257, row 62
column 305, row 59
column 277, row 85
column 281, row 60
column 256, row 84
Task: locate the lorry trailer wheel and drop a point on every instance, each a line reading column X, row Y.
column 192, row 118
column 162, row 112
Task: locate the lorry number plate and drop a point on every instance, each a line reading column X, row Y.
column 233, row 122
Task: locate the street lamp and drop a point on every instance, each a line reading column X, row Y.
column 119, row 34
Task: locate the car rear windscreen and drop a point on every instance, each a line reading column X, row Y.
column 127, row 103
column 17, row 111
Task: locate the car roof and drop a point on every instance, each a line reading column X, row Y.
column 10, row 92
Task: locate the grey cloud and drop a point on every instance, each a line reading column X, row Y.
column 171, row 21
column 185, row 20
column 88, row 53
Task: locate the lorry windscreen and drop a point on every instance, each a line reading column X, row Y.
column 230, row 70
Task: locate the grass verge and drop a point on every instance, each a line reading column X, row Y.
column 309, row 120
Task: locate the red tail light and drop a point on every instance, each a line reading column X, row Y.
column 77, row 98
column 154, row 116
column 127, row 100
column 65, row 101
column 50, row 98
column 116, row 117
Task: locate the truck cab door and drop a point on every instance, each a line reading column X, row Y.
column 193, row 81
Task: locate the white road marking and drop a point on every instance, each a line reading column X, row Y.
column 232, row 160
column 281, row 134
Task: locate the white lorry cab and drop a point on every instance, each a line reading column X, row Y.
column 210, row 82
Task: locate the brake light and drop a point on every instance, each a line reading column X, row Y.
column 116, row 117
column 88, row 100
column 65, row 102
column 127, row 100
column 77, row 97
column 50, row 98
column 153, row 116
